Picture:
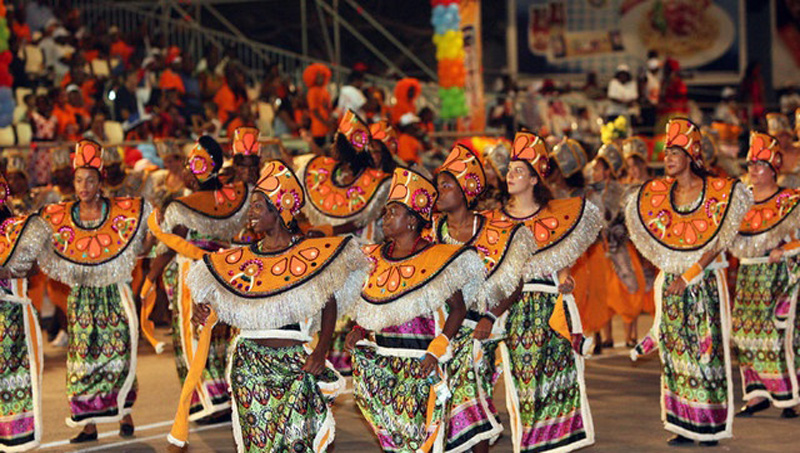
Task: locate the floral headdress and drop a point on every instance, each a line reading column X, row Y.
column 280, row 185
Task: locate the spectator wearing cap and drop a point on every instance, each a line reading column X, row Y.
column 622, row 92
column 170, row 78
column 61, row 54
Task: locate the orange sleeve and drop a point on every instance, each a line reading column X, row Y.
column 225, row 103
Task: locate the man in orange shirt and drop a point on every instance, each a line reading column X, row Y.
column 170, row 80
column 409, row 147
column 316, row 77
column 232, row 94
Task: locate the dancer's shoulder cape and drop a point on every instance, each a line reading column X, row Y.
column 259, row 291
column 505, row 247
column 218, row 213
column 674, row 240
column 97, row 256
column 562, row 231
column 767, row 224
column 22, row 240
column 397, row 291
column 331, row 204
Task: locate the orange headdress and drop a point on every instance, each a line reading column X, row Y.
column 280, row 185
column 414, row 191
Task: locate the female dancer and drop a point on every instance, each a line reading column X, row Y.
column 95, row 242
column 766, row 291
column 278, row 292
column 545, row 390
column 681, row 224
column 505, row 249
column 414, row 301
column 21, row 372
column 204, row 221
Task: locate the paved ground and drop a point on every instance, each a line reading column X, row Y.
column 623, row 397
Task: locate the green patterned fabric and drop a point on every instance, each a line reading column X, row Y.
column 546, row 379
column 696, row 372
column 279, row 407
column 17, row 419
column 393, row 396
column 471, row 415
column 764, row 297
column 100, row 376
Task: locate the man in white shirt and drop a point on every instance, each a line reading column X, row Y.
column 622, row 92
column 351, row 97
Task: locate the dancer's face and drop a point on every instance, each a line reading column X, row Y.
column 262, row 216
column 87, row 184
column 676, row 161
column 397, row 219
column 520, row 178
column 760, row 174
column 450, row 194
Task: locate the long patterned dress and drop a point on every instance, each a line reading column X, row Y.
column 20, row 338
column 504, row 248
column 691, row 331
column 763, row 320
column 545, row 387
column 96, row 259
column 213, row 218
column 278, row 406
column 404, row 303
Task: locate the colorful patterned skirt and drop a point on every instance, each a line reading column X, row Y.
column 20, row 370
column 763, row 329
column 212, row 396
column 692, row 334
column 405, row 408
column 279, row 407
column 545, row 387
column 471, row 374
column 101, row 357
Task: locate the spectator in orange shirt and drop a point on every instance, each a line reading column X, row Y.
column 21, row 29
column 170, row 80
column 77, row 107
column 232, row 94
column 316, row 77
column 409, row 147
column 119, row 48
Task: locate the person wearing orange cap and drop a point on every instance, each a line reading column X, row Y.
column 190, row 226
column 766, row 295
column 408, row 316
column 505, row 248
column 278, row 292
column 316, row 77
column 682, row 224
column 549, row 411
column 20, row 335
column 94, row 248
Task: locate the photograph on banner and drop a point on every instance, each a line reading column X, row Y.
column 579, row 36
column 786, row 43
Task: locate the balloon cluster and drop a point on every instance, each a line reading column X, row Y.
column 5, row 32
column 614, row 130
column 449, row 41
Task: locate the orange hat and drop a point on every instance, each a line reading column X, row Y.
column 531, row 148
column 205, row 159
column 311, row 72
column 765, row 148
column 384, row 132
column 465, row 166
column 282, row 189
column 685, row 135
column 414, row 191
column 355, row 130
column 88, row 154
column 245, row 141
column 778, row 123
column 726, row 133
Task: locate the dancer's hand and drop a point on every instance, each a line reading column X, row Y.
column 315, row 363
column 483, row 329
column 775, row 255
column 354, row 337
column 200, row 314
column 568, row 286
column 429, row 362
column 677, row 287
